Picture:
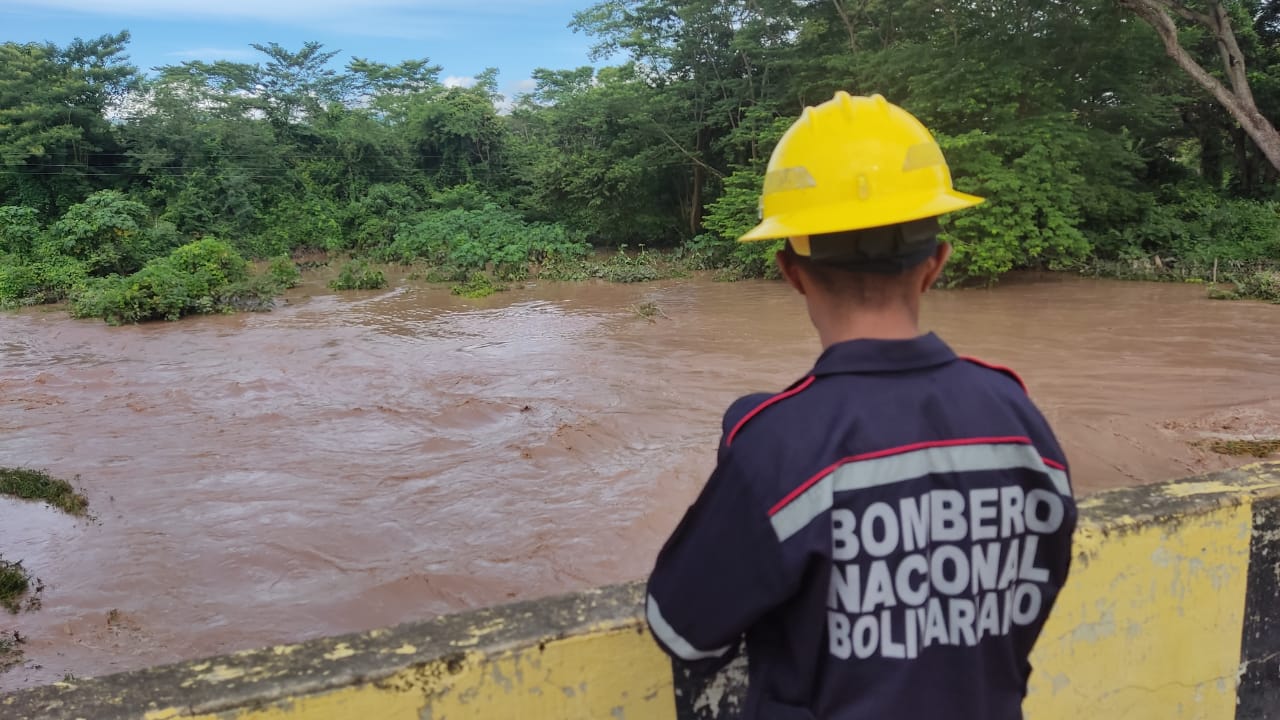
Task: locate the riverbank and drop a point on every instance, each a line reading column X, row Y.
column 357, row 459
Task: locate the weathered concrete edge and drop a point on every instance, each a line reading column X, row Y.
column 1126, row 509
column 256, row 677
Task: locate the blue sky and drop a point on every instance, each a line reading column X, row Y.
column 464, row 36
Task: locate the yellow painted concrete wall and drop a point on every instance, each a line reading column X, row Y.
column 1149, row 626
column 615, row 673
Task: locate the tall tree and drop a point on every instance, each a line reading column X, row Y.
column 1236, row 95
column 56, row 141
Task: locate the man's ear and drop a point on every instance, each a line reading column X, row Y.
column 790, row 270
column 934, row 266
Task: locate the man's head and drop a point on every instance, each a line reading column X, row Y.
column 874, row 286
column 856, row 186
column 896, row 285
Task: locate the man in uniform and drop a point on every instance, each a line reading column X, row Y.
column 891, row 531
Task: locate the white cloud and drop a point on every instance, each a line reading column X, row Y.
column 525, row 85
column 459, row 81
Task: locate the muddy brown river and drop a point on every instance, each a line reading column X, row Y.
column 350, row 462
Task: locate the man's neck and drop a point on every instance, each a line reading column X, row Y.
column 896, row 324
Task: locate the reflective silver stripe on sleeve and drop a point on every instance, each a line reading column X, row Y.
column 800, row 512
column 672, row 639
column 862, row 474
column 1059, row 478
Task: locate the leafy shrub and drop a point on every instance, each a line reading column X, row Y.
column 487, row 239
column 373, row 219
column 14, row 582
column 478, row 285
column 565, row 269
column 735, row 212
column 358, row 275
column 213, row 261
column 625, row 268
column 19, row 229
column 284, row 272
column 257, row 294
column 206, row 276
column 466, row 196
column 1034, row 185
column 40, row 281
column 107, row 232
column 1263, row 285
column 1193, row 225
column 309, row 223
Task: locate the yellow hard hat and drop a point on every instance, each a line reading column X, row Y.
column 853, row 163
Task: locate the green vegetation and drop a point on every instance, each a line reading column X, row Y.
column 478, row 285
column 1250, row 285
column 1263, row 285
column 1253, row 448
column 28, row 484
column 206, row 276
column 624, row 267
column 358, row 275
column 284, row 272
column 15, row 581
column 463, row 240
column 1109, row 159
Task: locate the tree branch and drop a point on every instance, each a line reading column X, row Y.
column 697, row 160
column 1188, row 13
column 1155, row 14
column 848, row 24
column 1232, row 56
column 1239, row 103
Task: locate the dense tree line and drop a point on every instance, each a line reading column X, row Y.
column 1078, row 120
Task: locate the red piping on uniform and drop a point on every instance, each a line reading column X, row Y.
column 760, row 408
column 1054, row 464
column 1012, row 440
column 998, row 368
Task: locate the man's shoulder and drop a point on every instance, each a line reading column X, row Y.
column 750, row 409
column 999, row 374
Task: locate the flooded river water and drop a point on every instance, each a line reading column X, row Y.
column 352, row 462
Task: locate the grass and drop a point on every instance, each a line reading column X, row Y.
column 1245, row 448
column 30, row 484
column 14, row 583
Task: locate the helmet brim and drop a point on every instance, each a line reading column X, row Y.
column 855, row 216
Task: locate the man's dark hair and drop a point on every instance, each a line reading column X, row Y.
column 870, row 268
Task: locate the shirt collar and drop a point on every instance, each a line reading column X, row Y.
column 878, row 356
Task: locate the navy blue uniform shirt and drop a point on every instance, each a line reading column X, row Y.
column 889, row 533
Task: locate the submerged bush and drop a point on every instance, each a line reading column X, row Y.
column 27, row 484
column 206, row 276
column 284, row 272
column 490, row 238
column 478, row 285
column 358, row 275
column 14, row 582
column 624, row 268
column 1261, row 285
